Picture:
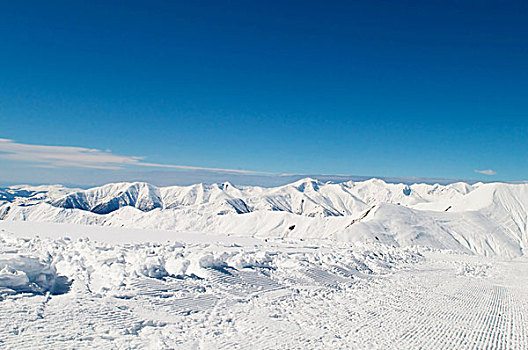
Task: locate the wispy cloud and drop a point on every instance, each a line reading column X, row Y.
column 486, row 172
column 81, row 157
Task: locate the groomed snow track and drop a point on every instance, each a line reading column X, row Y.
column 296, row 295
column 432, row 308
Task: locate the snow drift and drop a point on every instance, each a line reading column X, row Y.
column 22, row 273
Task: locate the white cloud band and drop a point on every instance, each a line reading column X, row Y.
column 81, row 157
column 488, row 172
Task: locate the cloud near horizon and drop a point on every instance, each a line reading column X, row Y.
column 488, row 172
column 81, row 157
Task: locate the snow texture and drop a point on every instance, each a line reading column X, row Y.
column 205, row 292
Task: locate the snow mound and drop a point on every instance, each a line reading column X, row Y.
column 20, row 273
column 112, row 269
column 473, row 269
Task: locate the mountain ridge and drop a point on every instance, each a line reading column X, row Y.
column 482, row 218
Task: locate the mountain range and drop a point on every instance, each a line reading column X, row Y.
column 481, row 218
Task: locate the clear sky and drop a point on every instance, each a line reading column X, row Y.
column 378, row 88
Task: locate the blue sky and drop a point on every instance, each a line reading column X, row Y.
column 377, row 88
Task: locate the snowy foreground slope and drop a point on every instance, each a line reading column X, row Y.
column 486, row 219
column 136, row 289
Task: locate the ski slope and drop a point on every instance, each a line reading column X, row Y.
column 113, row 288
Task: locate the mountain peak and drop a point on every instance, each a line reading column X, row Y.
column 306, row 184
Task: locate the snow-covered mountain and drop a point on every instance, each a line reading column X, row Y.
column 111, row 197
column 488, row 219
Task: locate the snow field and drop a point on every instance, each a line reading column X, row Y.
column 239, row 293
column 127, row 293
